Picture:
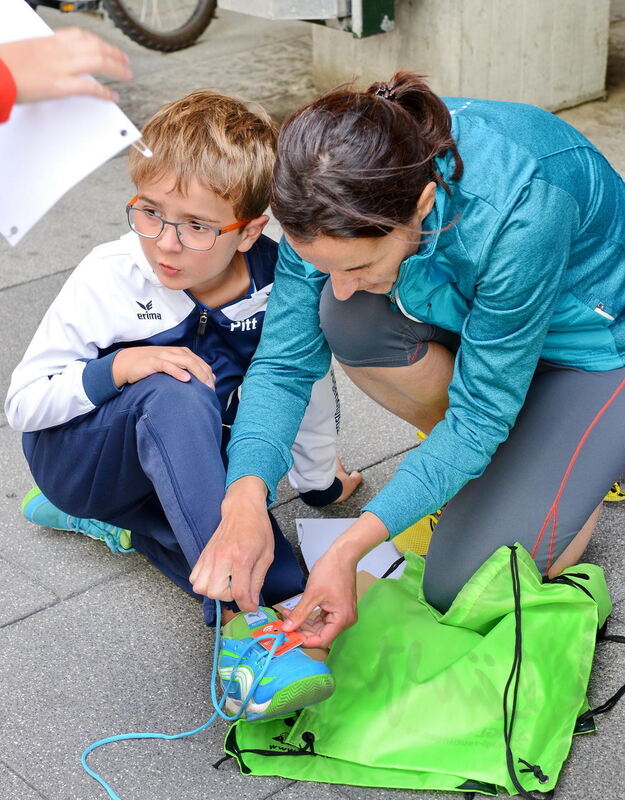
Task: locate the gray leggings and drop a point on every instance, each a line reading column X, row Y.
column 510, row 501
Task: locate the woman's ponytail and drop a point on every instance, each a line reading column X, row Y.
column 430, row 114
column 354, row 164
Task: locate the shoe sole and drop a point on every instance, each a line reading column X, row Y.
column 299, row 694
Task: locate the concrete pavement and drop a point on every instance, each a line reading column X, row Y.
column 93, row 644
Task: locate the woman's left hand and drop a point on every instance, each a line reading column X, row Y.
column 331, row 586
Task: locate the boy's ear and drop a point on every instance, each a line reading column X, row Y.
column 252, row 231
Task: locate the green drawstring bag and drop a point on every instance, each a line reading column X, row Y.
column 483, row 698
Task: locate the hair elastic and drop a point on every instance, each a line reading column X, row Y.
column 386, row 92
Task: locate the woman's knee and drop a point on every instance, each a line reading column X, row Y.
column 364, row 331
column 439, row 589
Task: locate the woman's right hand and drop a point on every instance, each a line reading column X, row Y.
column 331, row 586
column 233, row 565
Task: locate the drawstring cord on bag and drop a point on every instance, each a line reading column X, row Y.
column 515, row 676
column 217, row 704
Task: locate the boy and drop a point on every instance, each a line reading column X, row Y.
column 131, row 382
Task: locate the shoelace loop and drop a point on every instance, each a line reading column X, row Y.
column 217, row 704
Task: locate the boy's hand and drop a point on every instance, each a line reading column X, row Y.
column 235, row 561
column 55, row 66
column 134, row 363
column 350, row 481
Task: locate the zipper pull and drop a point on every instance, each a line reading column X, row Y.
column 201, row 326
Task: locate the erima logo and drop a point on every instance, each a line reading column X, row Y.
column 244, row 325
column 148, row 313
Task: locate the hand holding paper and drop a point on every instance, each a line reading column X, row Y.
column 50, row 67
column 48, row 145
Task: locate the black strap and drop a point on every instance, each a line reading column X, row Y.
column 394, row 566
column 567, row 580
column 513, row 680
column 232, row 745
column 613, row 700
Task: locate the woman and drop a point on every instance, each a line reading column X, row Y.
column 476, row 260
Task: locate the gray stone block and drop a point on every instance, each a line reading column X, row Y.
column 20, row 596
column 12, row 786
column 23, row 307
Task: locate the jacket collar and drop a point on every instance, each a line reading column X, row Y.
column 136, row 251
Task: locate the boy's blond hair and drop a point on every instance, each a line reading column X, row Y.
column 216, row 139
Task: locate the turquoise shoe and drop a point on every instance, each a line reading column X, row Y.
column 38, row 509
column 292, row 680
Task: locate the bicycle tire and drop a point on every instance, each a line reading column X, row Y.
column 166, row 41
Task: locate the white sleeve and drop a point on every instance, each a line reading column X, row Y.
column 314, row 448
column 47, row 385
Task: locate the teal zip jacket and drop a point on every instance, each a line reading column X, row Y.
column 525, row 260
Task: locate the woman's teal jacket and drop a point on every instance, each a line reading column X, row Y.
column 525, row 260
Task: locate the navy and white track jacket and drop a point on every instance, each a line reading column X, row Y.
column 114, row 300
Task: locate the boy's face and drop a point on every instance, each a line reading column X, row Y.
column 178, row 267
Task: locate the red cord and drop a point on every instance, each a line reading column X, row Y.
column 553, row 511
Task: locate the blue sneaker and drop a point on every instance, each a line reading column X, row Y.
column 292, row 680
column 38, row 509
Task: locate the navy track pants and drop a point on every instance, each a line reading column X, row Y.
column 151, row 460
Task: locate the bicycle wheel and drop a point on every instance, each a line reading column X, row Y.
column 162, row 24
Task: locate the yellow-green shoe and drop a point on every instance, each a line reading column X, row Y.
column 417, row 537
column 616, row 494
column 38, row 509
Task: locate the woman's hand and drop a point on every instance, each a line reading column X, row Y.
column 235, row 561
column 134, row 363
column 332, row 584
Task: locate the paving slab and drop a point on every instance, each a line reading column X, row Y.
column 268, row 71
column 309, row 791
column 228, row 33
column 20, row 596
column 130, row 655
column 13, row 787
column 23, row 307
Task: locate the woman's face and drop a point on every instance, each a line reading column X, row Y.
column 368, row 264
column 358, row 265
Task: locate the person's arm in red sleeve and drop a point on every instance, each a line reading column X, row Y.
column 8, row 92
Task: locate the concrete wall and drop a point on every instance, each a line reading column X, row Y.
column 551, row 53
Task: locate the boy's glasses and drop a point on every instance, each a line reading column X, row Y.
column 194, row 235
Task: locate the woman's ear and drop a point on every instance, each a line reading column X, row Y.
column 251, row 232
column 426, row 201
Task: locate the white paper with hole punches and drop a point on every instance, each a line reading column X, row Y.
column 316, row 535
column 49, row 146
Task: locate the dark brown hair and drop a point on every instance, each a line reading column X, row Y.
column 354, row 164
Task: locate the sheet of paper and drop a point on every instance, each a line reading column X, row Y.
column 316, row 535
column 48, row 147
